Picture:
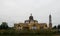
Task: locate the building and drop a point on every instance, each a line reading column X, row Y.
column 31, row 24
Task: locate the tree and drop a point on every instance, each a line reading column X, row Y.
column 54, row 27
column 58, row 26
column 4, row 25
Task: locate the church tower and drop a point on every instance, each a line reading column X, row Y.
column 50, row 22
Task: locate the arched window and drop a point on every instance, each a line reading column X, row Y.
column 45, row 25
column 19, row 27
column 34, row 27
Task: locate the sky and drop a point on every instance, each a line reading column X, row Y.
column 17, row 11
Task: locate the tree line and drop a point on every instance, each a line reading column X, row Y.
column 56, row 27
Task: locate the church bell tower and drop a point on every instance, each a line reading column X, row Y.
column 50, row 22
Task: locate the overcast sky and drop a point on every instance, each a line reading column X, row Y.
column 16, row 11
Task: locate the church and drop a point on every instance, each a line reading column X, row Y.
column 32, row 24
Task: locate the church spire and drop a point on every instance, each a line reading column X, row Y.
column 50, row 21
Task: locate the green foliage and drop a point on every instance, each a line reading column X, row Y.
column 27, row 32
column 3, row 25
column 54, row 27
column 58, row 26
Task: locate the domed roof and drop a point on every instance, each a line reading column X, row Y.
column 31, row 17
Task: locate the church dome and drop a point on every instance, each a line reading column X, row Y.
column 31, row 17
